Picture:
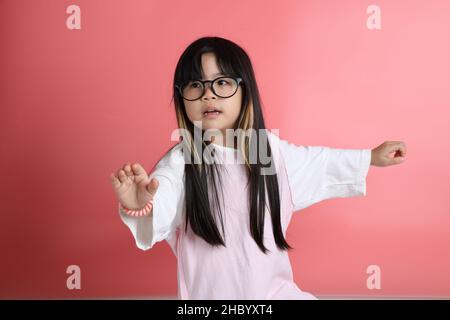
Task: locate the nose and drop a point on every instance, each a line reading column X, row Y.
column 208, row 92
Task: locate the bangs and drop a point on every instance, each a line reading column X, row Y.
column 226, row 63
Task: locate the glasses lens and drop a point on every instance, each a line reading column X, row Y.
column 225, row 87
column 192, row 90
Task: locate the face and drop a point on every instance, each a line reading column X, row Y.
column 229, row 107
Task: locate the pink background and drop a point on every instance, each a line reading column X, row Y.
column 78, row 104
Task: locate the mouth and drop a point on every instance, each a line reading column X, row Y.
column 211, row 113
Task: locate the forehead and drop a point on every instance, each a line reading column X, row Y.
column 210, row 68
column 212, row 76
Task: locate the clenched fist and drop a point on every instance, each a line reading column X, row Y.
column 381, row 154
column 133, row 186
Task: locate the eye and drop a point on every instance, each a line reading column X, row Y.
column 223, row 82
column 194, row 85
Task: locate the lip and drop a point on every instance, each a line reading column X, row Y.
column 210, row 115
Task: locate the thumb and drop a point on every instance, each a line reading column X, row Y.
column 138, row 169
column 152, row 187
column 398, row 147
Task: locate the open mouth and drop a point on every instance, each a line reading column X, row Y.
column 213, row 112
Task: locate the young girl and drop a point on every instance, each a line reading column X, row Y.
column 226, row 221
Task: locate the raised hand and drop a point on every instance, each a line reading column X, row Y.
column 133, row 187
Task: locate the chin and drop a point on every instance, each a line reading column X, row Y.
column 211, row 126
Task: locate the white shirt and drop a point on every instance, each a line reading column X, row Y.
column 306, row 175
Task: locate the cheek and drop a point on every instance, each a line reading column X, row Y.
column 192, row 110
column 235, row 106
column 235, row 110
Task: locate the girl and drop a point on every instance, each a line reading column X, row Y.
column 226, row 221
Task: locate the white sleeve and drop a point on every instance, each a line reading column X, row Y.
column 167, row 205
column 316, row 173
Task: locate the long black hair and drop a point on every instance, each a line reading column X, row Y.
column 201, row 178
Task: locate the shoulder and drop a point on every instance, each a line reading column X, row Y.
column 273, row 137
column 292, row 152
column 277, row 145
column 292, row 155
column 275, row 148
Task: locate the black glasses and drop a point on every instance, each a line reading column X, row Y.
column 224, row 87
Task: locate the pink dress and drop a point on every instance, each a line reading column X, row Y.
column 306, row 175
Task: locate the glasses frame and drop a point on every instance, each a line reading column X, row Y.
column 204, row 82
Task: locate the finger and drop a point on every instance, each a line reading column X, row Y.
column 122, row 176
column 152, row 187
column 400, row 153
column 401, row 149
column 397, row 160
column 397, row 147
column 138, row 169
column 115, row 181
column 127, row 169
